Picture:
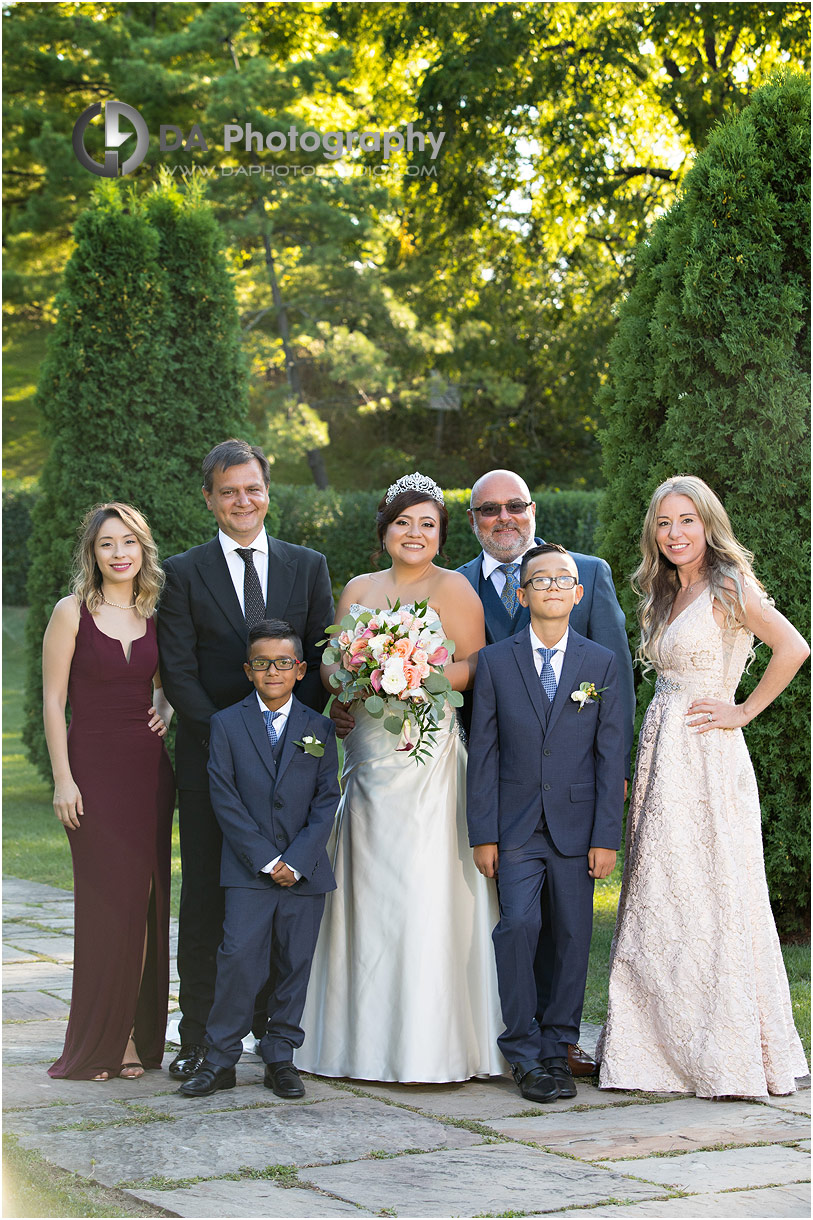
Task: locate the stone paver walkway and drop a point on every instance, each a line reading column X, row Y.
column 352, row 1148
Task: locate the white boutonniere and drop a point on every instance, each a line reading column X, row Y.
column 312, row 745
column 586, row 693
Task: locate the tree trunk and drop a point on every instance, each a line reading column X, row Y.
column 314, row 456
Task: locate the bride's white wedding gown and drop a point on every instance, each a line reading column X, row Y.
column 403, row 985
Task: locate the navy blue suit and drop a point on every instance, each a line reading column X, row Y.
column 268, row 802
column 545, row 783
column 598, row 616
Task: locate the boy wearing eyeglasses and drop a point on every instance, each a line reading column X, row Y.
column 273, row 777
column 545, row 795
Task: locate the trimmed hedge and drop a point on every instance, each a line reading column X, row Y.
column 17, row 506
column 340, row 524
column 710, row 375
column 144, row 365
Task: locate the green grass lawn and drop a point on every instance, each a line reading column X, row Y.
column 24, row 449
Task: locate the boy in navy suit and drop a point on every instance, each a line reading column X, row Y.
column 545, row 798
column 273, row 779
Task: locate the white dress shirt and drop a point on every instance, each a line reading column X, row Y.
column 280, row 725
column 237, row 569
column 491, row 567
column 558, row 658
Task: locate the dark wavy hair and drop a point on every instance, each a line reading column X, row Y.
column 387, row 513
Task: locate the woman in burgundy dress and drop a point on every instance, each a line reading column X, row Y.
column 114, row 793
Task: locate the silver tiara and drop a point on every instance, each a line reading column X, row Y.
column 415, row 482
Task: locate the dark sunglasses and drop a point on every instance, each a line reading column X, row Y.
column 514, row 507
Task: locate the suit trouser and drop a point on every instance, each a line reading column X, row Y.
column 200, row 919
column 259, row 923
column 522, row 873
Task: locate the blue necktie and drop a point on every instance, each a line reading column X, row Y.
column 269, row 718
column 508, row 597
column 547, row 677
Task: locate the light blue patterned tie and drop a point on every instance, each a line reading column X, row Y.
column 269, row 718
column 508, row 597
column 547, row 677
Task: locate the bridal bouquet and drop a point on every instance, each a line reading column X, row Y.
column 393, row 659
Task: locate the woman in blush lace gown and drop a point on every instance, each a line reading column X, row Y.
column 699, row 999
column 403, row 985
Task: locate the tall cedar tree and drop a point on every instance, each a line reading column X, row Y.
column 710, row 374
column 143, row 376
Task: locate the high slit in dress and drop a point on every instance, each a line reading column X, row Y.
column 121, row 856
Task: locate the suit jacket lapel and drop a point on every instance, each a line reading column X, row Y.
column 215, row 574
column 570, row 670
column 524, row 658
column 255, row 725
column 281, row 576
column 472, row 570
column 297, row 723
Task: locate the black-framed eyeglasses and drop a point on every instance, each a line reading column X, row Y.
column 258, row 664
column 543, row 583
column 492, row 509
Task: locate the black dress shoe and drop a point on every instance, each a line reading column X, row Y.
column 534, row 1081
column 188, row 1061
column 284, row 1079
column 209, row 1079
column 562, row 1075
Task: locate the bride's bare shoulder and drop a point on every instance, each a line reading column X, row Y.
column 360, row 589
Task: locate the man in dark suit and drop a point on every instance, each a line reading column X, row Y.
column 545, row 795
column 213, row 595
column 503, row 518
column 274, row 785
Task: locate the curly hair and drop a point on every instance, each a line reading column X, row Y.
column 87, row 579
column 726, row 564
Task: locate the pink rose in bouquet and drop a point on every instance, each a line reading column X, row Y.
column 393, row 659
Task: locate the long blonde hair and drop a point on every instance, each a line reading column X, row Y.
column 726, row 564
column 87, row 579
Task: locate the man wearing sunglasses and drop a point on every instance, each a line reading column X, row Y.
column 503, row 518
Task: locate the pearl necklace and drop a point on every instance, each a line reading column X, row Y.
column 118, row 605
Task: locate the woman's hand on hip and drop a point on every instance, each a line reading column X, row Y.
column 715, row 714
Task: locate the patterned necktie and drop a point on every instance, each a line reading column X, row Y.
column 253, row 599
column 270, row 717
column 508, row 597
column 547, row 677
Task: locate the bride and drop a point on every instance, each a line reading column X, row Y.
column 403, row 985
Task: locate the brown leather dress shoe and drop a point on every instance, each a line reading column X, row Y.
column 579, row 1062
